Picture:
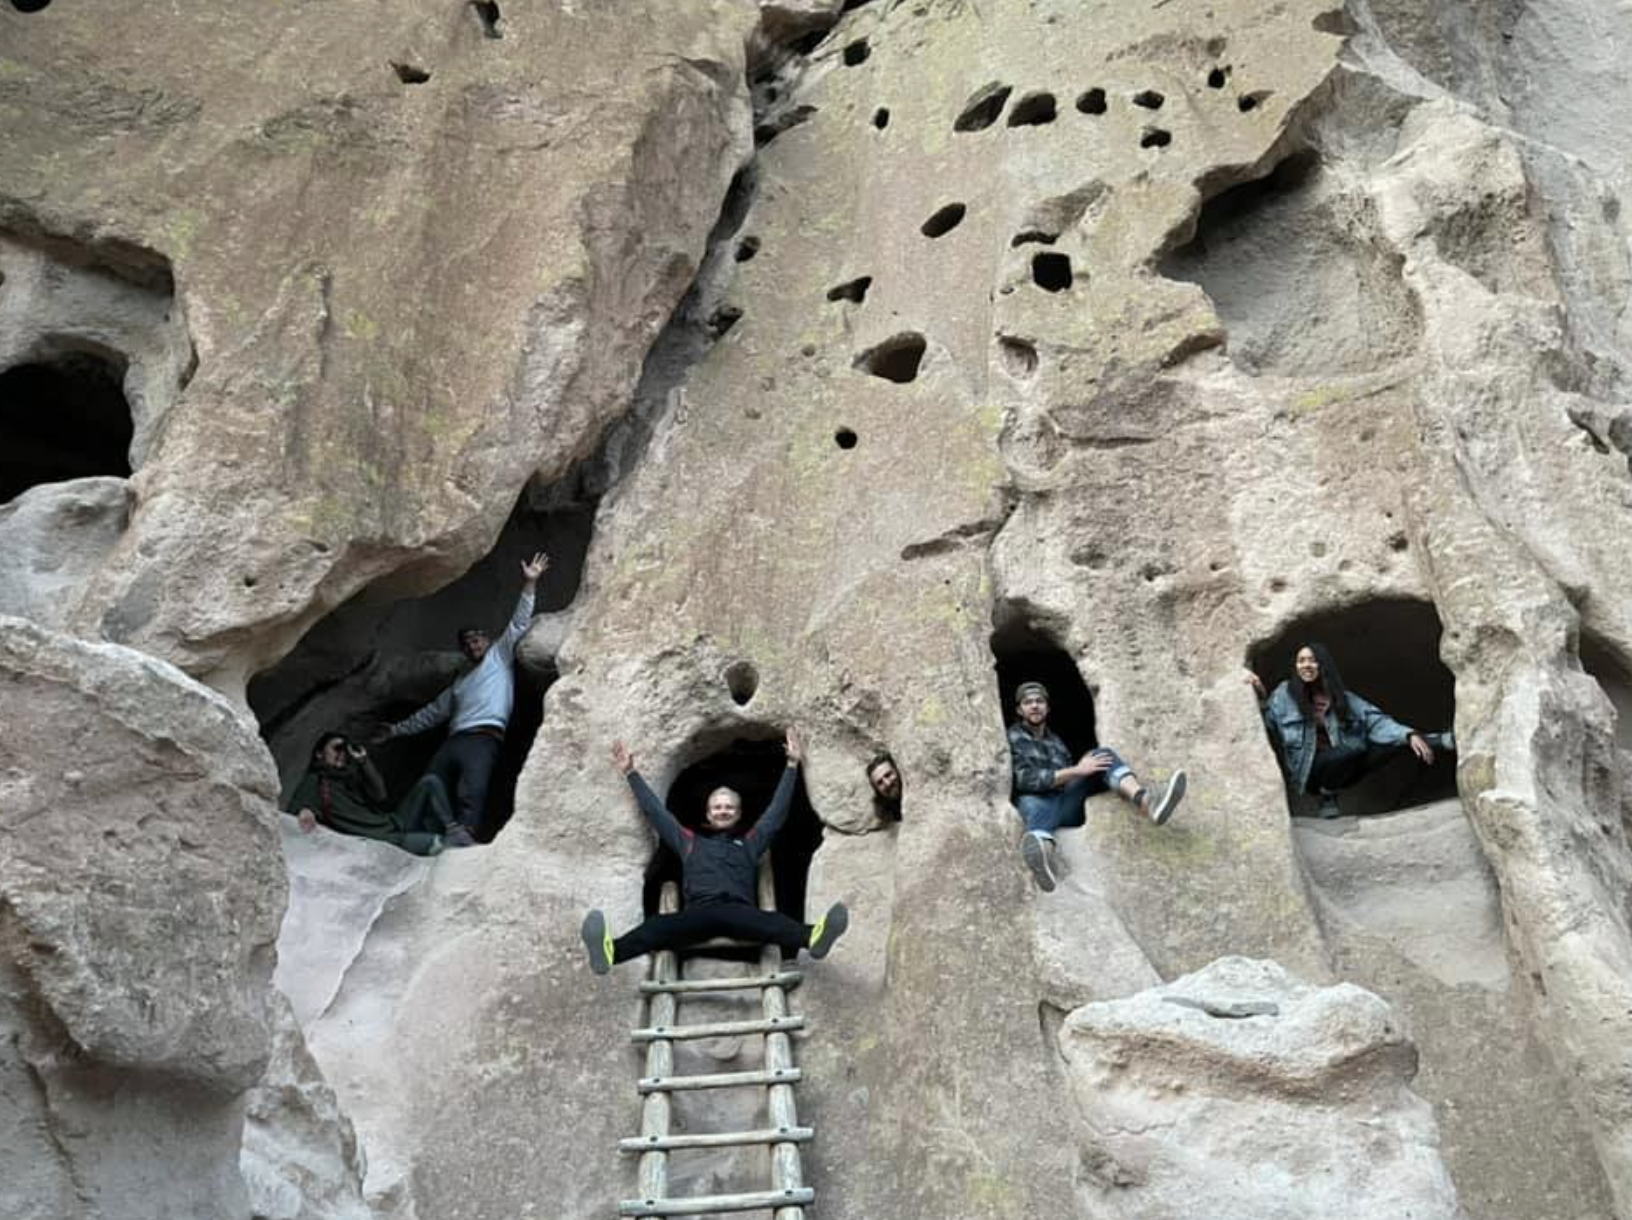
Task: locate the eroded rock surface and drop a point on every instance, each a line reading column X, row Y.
column 1244, row 1087
column 140, row 891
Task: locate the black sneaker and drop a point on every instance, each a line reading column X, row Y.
column 1038, row 853
column 828, row 929
column 1166, row 799
column 598, row 941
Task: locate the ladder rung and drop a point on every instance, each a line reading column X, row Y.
column 717, row 1029
column 718, row 1080
column 722, row 1139
column 702, row 1204
column 787, row 978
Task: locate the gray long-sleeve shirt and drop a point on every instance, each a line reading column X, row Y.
column 481, row 698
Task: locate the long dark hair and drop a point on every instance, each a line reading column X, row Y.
column 1330, row 680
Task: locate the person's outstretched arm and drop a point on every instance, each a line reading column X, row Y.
column 1381, row 728
column 776, row 813
column 521, row 618
column 432, row 714
column 668, row 826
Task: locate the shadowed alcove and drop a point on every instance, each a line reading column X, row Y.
column 1387, row 651
column 1023, row 652
column 63, row 415
column 752, row 766
column 375, row 659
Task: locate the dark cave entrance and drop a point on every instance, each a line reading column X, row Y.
column 63, row 415
column 1023, row 652
column 1387, row 652
column 375, row 660
column 753, row 766
column 1614, row 678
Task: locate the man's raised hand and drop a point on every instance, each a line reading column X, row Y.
column 624, row 760
column 795, row 748
column 532, row 569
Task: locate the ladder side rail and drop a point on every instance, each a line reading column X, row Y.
column 657, row 1111
column 787, row 1166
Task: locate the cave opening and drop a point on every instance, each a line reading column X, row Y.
column 1023, row 651
column 896, row 359
column 1033, row 110
column 1148, row 99
column 753, row 766
column 1614, row 678
column 1092, row 102
column 1155, row 137
column 857, row 53
column 63, row 415
column 881, row 118
column 1387, row 651
column 410, row 74
column 377, row 659
column 487, row 13
column 1051, row 271
column 944, row 220
column 983, row 108
column 854, row 291
column 30, row 6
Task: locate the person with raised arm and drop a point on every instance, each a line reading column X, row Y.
column 718, row 873
column 476, row 709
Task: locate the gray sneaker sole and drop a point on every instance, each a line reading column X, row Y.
column 1034, row 851
column 1172, row 794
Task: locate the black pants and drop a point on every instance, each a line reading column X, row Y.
column 738, row 920
column 464, row 763
column 1344, row 766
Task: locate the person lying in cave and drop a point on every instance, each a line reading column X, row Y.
column 885, row 778
column 1051, row 790
column 343, row 790
column 476, row 709
column 718, row 869
column 1327, row 737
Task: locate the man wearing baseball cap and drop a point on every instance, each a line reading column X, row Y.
column 1050, row 788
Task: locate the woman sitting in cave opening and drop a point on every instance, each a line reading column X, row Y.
column 343, row 790
column 1329, row 738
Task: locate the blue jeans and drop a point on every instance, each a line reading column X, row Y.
column 1045, row 813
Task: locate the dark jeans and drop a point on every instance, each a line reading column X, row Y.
column 692, row 926
column 1345, row 766
column 1044, row 813
column 423, row 815
column 464, row 763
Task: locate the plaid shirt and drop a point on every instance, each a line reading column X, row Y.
column 1036, row 759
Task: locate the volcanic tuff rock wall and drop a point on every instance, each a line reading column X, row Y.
column 1158, row 329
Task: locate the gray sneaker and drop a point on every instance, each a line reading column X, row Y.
column 1038, row 853
column 1166, row 799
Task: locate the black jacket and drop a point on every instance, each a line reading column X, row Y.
column 716, row 867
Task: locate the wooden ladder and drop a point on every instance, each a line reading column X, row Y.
column 788, row 1195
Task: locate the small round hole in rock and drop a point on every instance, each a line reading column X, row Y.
column 1033, row 237
column 723, row 319
column 1051, row 271
column 982, row 109
column 881, row 118
column 857, row 52
column 487, row 12
column 747, row 248
column 1251, row 101
column 1149, row 99
column 1092, row 102
column 844, row 438
column 944, row 220
column 1217, row 78
column 851, row 290
column 410, row 74
column 896, row 359
column 29, row 6
column 1019, row 357
column 742, row 680
column 1155, row 137
column 1033, row 110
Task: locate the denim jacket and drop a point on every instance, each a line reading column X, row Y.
column 1295, row 737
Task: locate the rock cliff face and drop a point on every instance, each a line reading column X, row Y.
column 844, row 353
